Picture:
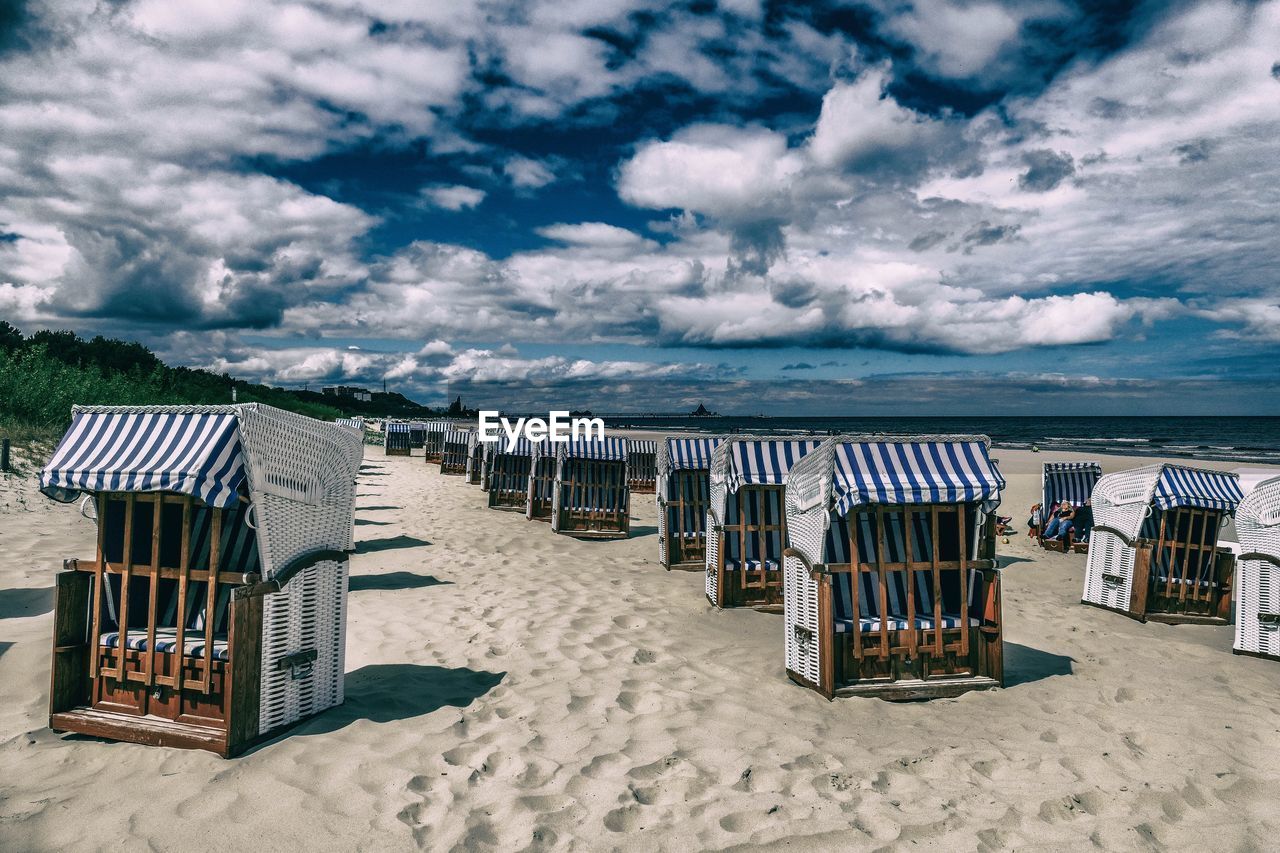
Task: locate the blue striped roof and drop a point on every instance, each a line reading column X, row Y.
column 524, row 447
column 610, row 449
column 397, row 426
column 765, row 462
column 457, row 436
column 688, row 453
column 1069, row 481
column 1180, row 486
column 640, row 445
column 354, row 423
column 193, row 454
column 913, row 472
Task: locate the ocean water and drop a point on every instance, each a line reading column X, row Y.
column 1233, row 439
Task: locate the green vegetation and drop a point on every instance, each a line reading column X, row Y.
column 44, row 375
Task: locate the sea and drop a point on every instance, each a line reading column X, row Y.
column 1228, row 439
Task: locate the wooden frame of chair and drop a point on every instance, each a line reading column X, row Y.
column 453, row 454
column 509, row 482
column 1187, row 542
column 685, row 504
column 917, row 662
column 156, row 697
column 759, row 588
column 642, row 471
column 396, row 443
column 475, row 468
column 594, row 499
column 433, row 444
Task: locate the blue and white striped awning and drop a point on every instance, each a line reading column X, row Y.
column 457, row 436
column 1179, row 486
column 609, row 450
column 687, row 453
column 1069, row 481
column 524, row 447
column 640, row 445
column 354, row 423
column 920, row 472
column 193, row 454
column 765, row 462
column 397, row 426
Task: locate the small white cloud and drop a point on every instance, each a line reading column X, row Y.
column 600, row 235
column 452, row 196
column 525, row 173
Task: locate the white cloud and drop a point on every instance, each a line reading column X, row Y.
column 452, row 196
column 526, row 173
column 598, row 235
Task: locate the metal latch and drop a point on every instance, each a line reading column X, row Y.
column 1114, row 580
column 803, row 637
column 299, row 664
column 1268, row 618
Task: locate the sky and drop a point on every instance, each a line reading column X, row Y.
column 879, row 207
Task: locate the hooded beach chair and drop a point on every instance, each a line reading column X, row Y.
column 455, row 451
column 433, row 441
column 1257, row 576
column 540, row 489
column 684, row 491
column 746, row 526
column 1071, row 482
column 213, row 613
column 417, row 434
column 1154, row 553
column 590, row 497
column 397, row 441
column 642, row 466
column 891, row 585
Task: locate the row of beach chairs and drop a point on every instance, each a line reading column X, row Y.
column 212, row 613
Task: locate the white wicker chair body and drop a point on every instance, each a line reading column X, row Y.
column 1257, row 577
column 1121, row 501
column 663, row 462
column 301, row 476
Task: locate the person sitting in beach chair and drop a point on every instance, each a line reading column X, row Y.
column 1061, row 524
column 1083, row 524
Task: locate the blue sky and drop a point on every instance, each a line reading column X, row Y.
column 1044, row 203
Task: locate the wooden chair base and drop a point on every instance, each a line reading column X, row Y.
column 687, row 566
column 592, row 534
column 1185, row 619
column 912, row 690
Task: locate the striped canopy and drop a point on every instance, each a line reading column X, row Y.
column 193, row 454
column 882, row 472
column 689, row 453
column 1179, row 486
column 609, row 450
column 640, row 445
column 396, row 426
column 354, row 423
column 457, row 436
column 416, row 426
column 1070, row 481
column 765, row 462
column 524, row 447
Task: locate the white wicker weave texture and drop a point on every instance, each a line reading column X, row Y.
column 301, row 474
column 1121, row 500
column 1257, row 581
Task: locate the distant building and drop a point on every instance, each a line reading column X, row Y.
column 361, row 394
column 701, row 412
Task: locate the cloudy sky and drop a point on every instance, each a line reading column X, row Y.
column 1057, row 206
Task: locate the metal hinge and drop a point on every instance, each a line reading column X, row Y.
column 299, row 664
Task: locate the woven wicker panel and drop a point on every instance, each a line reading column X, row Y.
column 1257, row 582
column 806, row 532
column 302, row 475
column 1108, row 555
column 713, row 555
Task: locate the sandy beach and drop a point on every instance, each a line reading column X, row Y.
column 510, row 689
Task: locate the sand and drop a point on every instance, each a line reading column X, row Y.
column 511, row 689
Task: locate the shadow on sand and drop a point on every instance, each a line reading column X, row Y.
column 390, row 543
column 365, row 522
column 384, row 693
column 363, row 508
column 643, row 530
column 18, row 603
column 4, row 647
column 393, row 580
column 1023, row 664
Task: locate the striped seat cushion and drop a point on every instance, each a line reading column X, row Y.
column 869, row 615
column 1203, row 583
column 167, row 641
column 752, row 565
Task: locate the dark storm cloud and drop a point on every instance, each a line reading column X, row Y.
column 927, row 240
column 1046, row 169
